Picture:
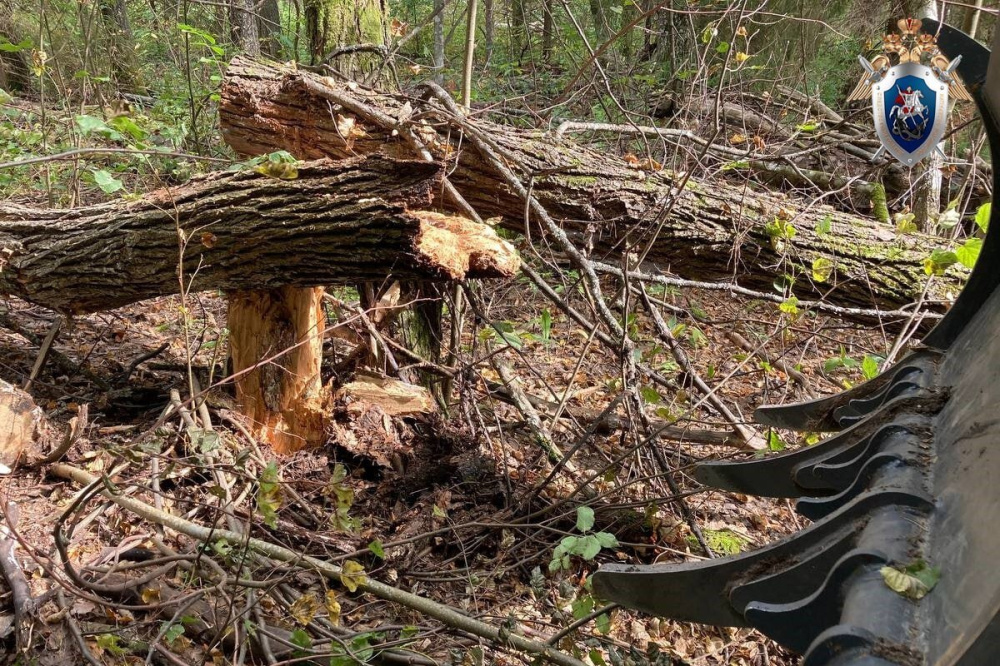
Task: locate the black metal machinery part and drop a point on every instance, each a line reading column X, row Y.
column 913, row 473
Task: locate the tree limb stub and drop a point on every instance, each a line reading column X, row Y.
column 334, row 223
column 713, row 230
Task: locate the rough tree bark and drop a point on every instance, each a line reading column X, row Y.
column 697, row 229
column 335, row 223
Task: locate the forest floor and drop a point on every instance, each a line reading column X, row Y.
column 452, row 506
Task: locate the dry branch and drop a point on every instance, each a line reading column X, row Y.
column 499, row 636
column 698, row 230
column 333, row 223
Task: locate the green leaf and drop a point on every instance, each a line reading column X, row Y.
column 824, row 226
column 738, row 164
column 790, row 305
column 109, row 643
column 722, row 48
column 968, row 252
column 584, row 518
column 596, row 657
column 983, row 216
column 650, row 395
column 108, row 183
column 173, row 632
column 905, row 223
column 545, row 322
column 589, row 547
column 204, row 441
column 126, row 125
column 822, row 269
column 90, row 124
column 606, row 539
column 807, row 127
column 774, row 441
column 869, row 367
column 299, row 638
column 9, row 47
column 913, row 581
column 377, row 550
column 783, row 283
column 603, row 624
column 582, row 606
column 939, row 262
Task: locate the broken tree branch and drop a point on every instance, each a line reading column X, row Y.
column 499, row 636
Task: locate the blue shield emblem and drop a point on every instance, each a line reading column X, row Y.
column 910, row 106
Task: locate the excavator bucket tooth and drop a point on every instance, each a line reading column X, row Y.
column 797, row 473
column 905, row 492
column 829, row 414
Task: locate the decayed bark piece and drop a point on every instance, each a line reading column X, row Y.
column 392, row 396
column 22, row 427
column 334, row 223
column 711, row 230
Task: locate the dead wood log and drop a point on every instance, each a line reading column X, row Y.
column 697, row 229
column 268, row 242
column 333, row 223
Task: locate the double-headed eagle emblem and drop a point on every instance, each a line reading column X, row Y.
column 910, row 98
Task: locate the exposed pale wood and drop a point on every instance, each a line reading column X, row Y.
column 394, row 397
column 709, row 230
column 334, row 223
column 276, row 344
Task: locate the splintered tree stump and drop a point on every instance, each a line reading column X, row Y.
column 276, row 344
column 721, row 229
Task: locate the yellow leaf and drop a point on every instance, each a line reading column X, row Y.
column 741, row 57
column 741, row 31
column 150, row 595
column 822, row 269
column 737, row 139
column 279, row 170
column 333, row 607
column 352, row 575
column 304, row 608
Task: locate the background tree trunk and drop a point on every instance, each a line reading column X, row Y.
column 269, row 28
column 243, row 26
column 439, row 41
column 121, row 54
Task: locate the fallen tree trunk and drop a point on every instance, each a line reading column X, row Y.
column 333, row 223
column 269, row 242
column 697, row 229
